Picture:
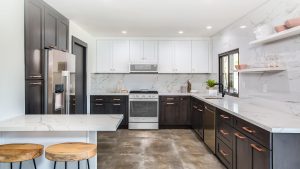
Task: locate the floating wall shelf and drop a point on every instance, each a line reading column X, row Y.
column 277, row 36
column 259, row 70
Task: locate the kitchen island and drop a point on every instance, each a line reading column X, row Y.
column 52, row 129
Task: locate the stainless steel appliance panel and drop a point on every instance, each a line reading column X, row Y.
column 209, row 124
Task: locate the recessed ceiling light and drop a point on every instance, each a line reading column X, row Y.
column 180, row 32
column 208, row 27
column 124, row 32
column 243, row 26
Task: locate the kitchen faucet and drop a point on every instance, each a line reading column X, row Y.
column 222, row 88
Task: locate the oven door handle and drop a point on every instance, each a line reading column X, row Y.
column 143, row 100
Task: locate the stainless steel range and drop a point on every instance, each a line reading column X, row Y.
column 143, row 109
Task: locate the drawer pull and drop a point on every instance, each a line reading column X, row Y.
column 116, row 99
column 223, row 153
column 35, row 76
column 248, row 130
column 170, row 103
column 223, row 132
column 257, row 148
column 224, row 117
column 239, row 136
column 200, row 110
column 170, row 98
column 74, row 104
column 195, row 107
column 116, row 104
column 39, row 83
column 99, row 104
column 99, row 99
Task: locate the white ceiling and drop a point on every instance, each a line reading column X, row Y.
column 154, row 17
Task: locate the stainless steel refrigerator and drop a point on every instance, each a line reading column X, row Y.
column 60, row 81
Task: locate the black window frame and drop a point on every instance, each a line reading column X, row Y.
column 228, row 53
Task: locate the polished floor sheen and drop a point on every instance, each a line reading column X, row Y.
column 153, row 149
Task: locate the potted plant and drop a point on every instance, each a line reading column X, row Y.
column 212, row 90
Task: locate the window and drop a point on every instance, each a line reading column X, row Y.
column 228, row 74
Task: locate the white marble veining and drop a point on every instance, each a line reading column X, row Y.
column 62, row 123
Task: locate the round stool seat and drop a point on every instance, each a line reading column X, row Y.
column 71, row 151
column 11, row 153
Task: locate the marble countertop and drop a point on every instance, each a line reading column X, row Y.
column 62, row 123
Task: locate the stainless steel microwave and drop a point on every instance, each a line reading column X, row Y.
column 143, row 68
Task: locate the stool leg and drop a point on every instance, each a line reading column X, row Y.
column 34, row 164
column 11, row 165
column 54, row 165
column 66, row 165
column 20, row 167
column 78, row 164
column 88, row 163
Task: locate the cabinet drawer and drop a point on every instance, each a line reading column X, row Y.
column 225, row 117
column 169, row 98
column 225, row 133
column 99, row 108
column 256, row 133
column 224, row 153
column 108, row 99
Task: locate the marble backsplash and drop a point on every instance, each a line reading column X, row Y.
column 287, row 51
column 171, row 83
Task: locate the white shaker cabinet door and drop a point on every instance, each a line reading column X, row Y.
column 150, row 54
column 104, row 56
column 200, row 56
column 182, row 57
column 165, row 57
column 120, row 56
column 136, row 51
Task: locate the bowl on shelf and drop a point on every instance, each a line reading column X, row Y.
column 241, row 66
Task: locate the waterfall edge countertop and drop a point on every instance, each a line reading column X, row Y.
column 105, row 122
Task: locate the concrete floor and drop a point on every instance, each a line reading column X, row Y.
column 154, row 149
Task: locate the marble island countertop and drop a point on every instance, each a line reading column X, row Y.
column 62, row 123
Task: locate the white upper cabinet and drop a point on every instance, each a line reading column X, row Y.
column 112, row 56
column 166, row 57
column 143, row 51
column 200, row 56
column 182, row 56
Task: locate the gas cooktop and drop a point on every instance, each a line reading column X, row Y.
column 143, row 92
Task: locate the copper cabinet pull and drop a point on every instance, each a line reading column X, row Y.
column 248, row 130
column 200, row 110
column 116, row 99
column 116, row 104
column 170, row 98
column 99, row 104
column 74, row 104
column 223, row 153
column 257, row 148
column 224, row 117
column 99, row 99
column 223, row 132
column 195, row 107
column 170, row 103
column 239, row 136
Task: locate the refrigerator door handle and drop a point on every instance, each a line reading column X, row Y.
column 66, row 76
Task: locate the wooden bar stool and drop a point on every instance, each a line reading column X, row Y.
column 73, row 151
column 12, row 153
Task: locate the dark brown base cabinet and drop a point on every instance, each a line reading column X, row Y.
column 110, row 105
column 44, row 28
column 174, row 111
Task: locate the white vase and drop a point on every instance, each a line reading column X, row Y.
column 212, row 92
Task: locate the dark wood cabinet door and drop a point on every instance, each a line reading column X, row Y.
column 34, row 39
column 169, row 113
column 34, row 97
column 261, row 157
column 241, row 151
column 184, row 109
column 63, row 35
column 197, row 118
column 50, row 28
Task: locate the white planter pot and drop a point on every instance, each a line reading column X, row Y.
column 212, row 92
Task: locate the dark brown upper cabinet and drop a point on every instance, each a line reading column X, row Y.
column 34, row 39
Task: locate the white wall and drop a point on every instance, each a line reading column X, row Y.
column 273, row 12
column 12, row 83
column 81, row 34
